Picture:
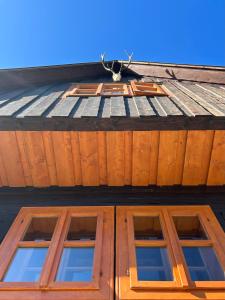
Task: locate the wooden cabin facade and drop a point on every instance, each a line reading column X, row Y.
column 112, row 190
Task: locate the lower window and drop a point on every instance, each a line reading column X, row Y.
column 59, row 249
column 171, row 252
column 160, row 252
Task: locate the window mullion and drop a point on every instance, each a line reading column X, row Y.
column 53, row 249
column 175, row 246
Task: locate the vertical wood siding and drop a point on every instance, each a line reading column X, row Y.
column 115, row 158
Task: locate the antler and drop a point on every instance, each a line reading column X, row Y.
column 106, row 67
column 129, row 61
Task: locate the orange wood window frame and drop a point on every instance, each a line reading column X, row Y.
column 128, row 286
column 101, row 286
column 133, row 88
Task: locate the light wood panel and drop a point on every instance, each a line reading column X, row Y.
column 171, row 157
column 197, row 157
column 216, row 175
column 115, row 158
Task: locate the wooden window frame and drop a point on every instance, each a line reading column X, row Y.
column 165, row 243
column 140, row 88
column 127, row 282
column 133, row 88
column 102, row 284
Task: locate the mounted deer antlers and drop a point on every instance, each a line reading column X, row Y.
column 116, row 76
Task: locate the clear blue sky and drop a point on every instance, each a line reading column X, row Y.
column 48, row 32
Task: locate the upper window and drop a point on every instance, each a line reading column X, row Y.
column 133, row 88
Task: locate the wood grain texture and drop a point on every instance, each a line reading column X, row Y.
column 63, row 158
column 197, row 157
column 114, row 158
column 216, row 175
column 171, row 157
column 141, row 158
column 37, row 158
column 89, row 158
column 11, row 159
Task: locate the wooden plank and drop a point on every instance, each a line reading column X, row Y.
column 115, row 157
column 102, row 157
column 89, row 158
column 20, row 102
column 169, row 107
column 91, row 108
column 63, row 158
column 64, row 107
column 171, row 157
column 144, row 107
column 197, row 157
column 154, row 153
column 50, row 159
column 216, row 92
column 132, row 109
column 216, row 174
column 105, row 109
column 186, row 103
column 8, row 96
column 128, row 142
column 117, row 107
column 204, row 93
column 141, row 158
column 158, row 107
column 211, row 106
column 11, row 159
column 47, row 102
column 37, row 158
column 76, row 157
column 20, row 136
column 3, row 174
column 80, row 108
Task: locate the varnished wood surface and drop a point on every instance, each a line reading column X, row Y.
column 140, row 158
column 182, row 287
column 101, row 285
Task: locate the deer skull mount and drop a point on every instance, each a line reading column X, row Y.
column 116, row 76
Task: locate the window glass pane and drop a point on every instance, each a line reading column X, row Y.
column 153, row 264
column 26, row 265
column 147, row 228
column 203, row 264
column 40, row 229
column 76, row 264
column 82, row 228
column 189, row 228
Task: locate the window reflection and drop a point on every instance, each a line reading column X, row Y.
column 203, row 264
column 26, row 265
column 76, row 264
column 153, row 264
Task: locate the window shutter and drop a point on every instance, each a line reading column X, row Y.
column 146, row 89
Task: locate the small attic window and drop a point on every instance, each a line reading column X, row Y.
column 134, row 88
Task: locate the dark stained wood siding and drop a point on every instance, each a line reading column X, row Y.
column 11, row 200
column 189, row 106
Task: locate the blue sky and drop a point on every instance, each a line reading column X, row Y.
column 48, row 32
